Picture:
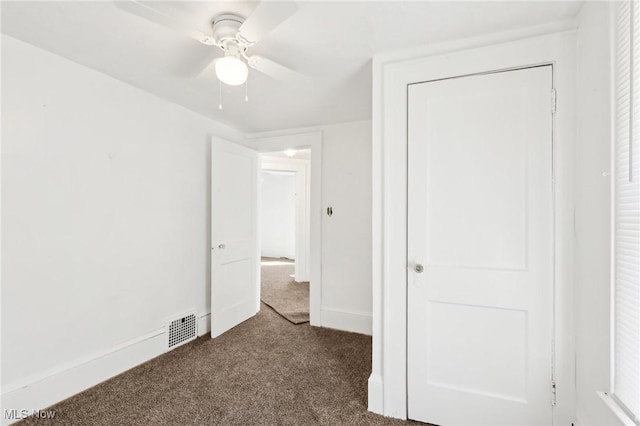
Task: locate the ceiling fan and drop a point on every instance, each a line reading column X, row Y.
column 234, row 35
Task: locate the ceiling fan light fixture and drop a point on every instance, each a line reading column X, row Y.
column 231, row 70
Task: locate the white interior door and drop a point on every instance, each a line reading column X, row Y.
column 235, row 261
column 480, row 249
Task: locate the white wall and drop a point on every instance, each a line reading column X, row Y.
column 105, row 223
column 346, row 236
column 592, row 216
column 278, row 214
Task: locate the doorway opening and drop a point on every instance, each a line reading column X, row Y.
column 285, row 233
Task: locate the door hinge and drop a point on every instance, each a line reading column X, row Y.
column 554, row 100
column 553, row 393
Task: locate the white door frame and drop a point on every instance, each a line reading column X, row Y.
column 313, row 141
column 391, row 75
column 303, row 187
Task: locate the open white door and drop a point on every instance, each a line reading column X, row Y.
column 235, row 261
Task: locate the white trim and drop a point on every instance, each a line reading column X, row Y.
column 612, row 189
column 339, row 319
column 303, row 188
column 389, row 199
column 376, row 391
column 477, row 41
column 40, row 392
column 35, row 378
column 204, row 324
column 272, row 141
column 375, row 404
column 45, row 389
column 616, row 409
column 276, row 141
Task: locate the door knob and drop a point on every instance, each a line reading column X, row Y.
column 221, row 246
column 418, row 268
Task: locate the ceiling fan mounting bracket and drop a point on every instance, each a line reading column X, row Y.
column 226, row 31
column 232, row 47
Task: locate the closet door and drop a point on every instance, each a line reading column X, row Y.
column 480, row 249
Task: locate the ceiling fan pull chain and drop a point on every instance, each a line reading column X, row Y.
column 219, row 94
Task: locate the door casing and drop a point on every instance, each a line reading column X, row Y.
column 275, row 141
column 391, row 76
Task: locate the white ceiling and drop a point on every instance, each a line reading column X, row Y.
column 331, row 42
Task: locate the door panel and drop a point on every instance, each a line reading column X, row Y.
column 480, row 315
column 234, row 235
column 452, row 341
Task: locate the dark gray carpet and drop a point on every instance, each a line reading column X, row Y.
column 278, row 290
column 266, row 371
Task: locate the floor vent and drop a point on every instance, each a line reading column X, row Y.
column 181, row 330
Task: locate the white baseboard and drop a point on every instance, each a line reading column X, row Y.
column 376, row 394
column 204, row 325
column 303, row 276
column 48, row 390
column 39, row 392
column 357, row 322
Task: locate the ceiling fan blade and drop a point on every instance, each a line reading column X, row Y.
column 275, row 70
column 194, row 65
column 266, row 17
column 150, row 14
column 208, row 73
